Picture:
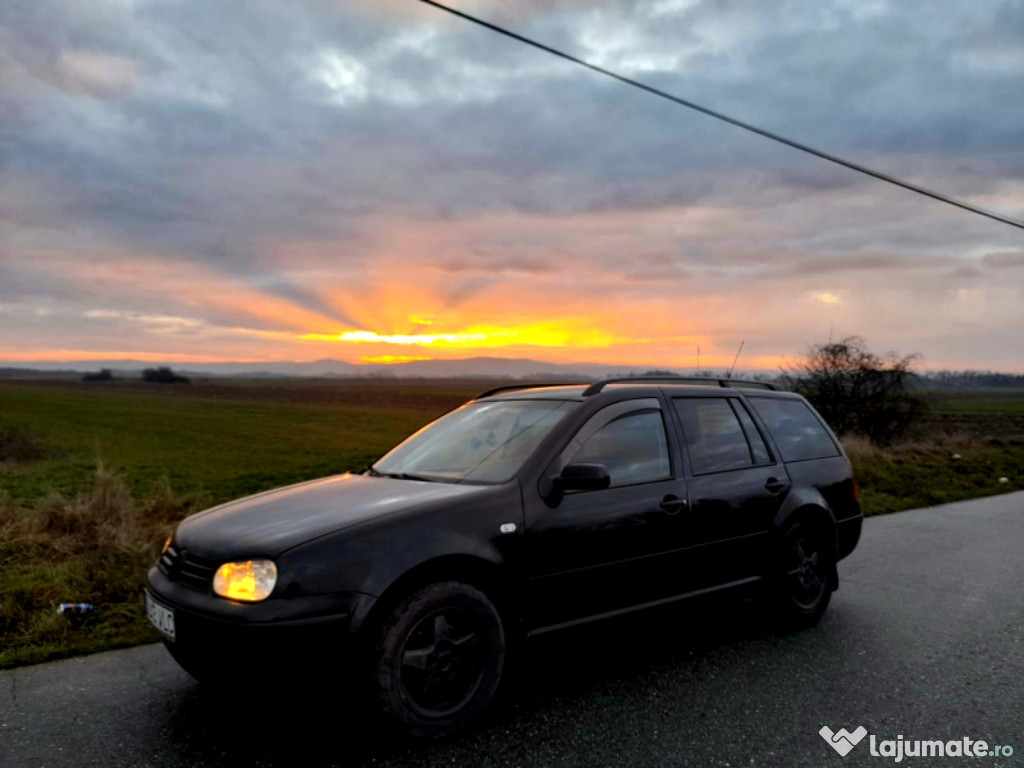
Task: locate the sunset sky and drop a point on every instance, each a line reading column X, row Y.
column 377, row 181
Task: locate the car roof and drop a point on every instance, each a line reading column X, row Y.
column 576, row 391
column 532, row 392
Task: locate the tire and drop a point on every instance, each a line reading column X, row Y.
column 437, row 659
column 799, row 580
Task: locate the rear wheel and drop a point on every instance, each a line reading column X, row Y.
column 437, row 658
column 800, row 590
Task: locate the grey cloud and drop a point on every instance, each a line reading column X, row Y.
column 1004, row 259
column 498, row 262
column 561, row 143
column 868, row 262
column 205, row 132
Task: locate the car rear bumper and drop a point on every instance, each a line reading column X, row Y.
column 847, row 535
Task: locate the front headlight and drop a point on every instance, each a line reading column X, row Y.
column 248, row 580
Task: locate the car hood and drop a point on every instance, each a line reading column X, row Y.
column 268, row 523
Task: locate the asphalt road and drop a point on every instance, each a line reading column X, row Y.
column 923, row 640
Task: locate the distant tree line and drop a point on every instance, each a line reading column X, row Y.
column 104, row 374
column 966, row 379
column 163, row 375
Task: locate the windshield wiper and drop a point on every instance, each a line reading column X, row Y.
column 405, row 476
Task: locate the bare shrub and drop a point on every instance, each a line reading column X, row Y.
column 104, row 518
column 163, row 507
column 858, row 392
column 18, row 444
column 109, row 519
column 9, row 520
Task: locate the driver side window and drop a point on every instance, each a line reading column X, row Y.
column 633, row 448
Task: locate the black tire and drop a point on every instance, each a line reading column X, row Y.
column 437, row 659
column 799, row 581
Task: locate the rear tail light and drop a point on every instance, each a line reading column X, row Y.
column 856, row 490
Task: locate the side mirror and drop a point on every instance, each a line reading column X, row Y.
column 583, row 477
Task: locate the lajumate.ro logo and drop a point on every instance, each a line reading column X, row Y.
column 843, row 742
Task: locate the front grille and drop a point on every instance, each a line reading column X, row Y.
column 180, row 566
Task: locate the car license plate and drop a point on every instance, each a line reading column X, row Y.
column 160, row 617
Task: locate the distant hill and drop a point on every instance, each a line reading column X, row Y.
column 470, row 367
column 474, row 367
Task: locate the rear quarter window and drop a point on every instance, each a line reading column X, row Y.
column 798, row 432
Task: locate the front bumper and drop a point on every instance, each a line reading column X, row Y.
column 287, row 634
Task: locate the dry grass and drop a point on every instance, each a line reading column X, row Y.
column 93, row 548
column 932, row 469
column 108, row 519
column 938, row 446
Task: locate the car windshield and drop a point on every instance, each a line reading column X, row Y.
column 482, row 442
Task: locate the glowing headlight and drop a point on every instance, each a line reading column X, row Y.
column 249, row 580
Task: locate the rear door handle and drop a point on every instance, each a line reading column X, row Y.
column 672, row 504
column 775, row 485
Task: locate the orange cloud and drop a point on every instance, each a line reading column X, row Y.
column 73, row 355
column 188, row 285
column 567, row 297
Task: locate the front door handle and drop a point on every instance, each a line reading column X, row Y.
column 775, row 485
column 672, row 504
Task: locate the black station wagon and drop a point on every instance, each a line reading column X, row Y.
column 527, row 510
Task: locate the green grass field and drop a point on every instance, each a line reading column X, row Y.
column 166, row 451
column 983, row 400
column 71, row 533
column 198, row 442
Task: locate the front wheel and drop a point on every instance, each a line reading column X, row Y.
column 437, row 658
column 799, row 586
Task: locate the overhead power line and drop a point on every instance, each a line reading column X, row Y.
column 734, row 121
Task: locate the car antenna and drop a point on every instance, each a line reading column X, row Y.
column 733, row 368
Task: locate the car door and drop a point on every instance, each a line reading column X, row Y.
column 736, row 486
column 606, row 550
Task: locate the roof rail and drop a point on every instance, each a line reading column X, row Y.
column 597, row 386
column 511, row 387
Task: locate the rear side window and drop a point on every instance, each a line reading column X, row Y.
column 797, row 431
column 633, row 448
column 714, row 437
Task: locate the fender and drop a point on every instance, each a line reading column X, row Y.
column 797, row 499
column 440, row 545
column 482, row 568
column 375, row 560
column 807, row 503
